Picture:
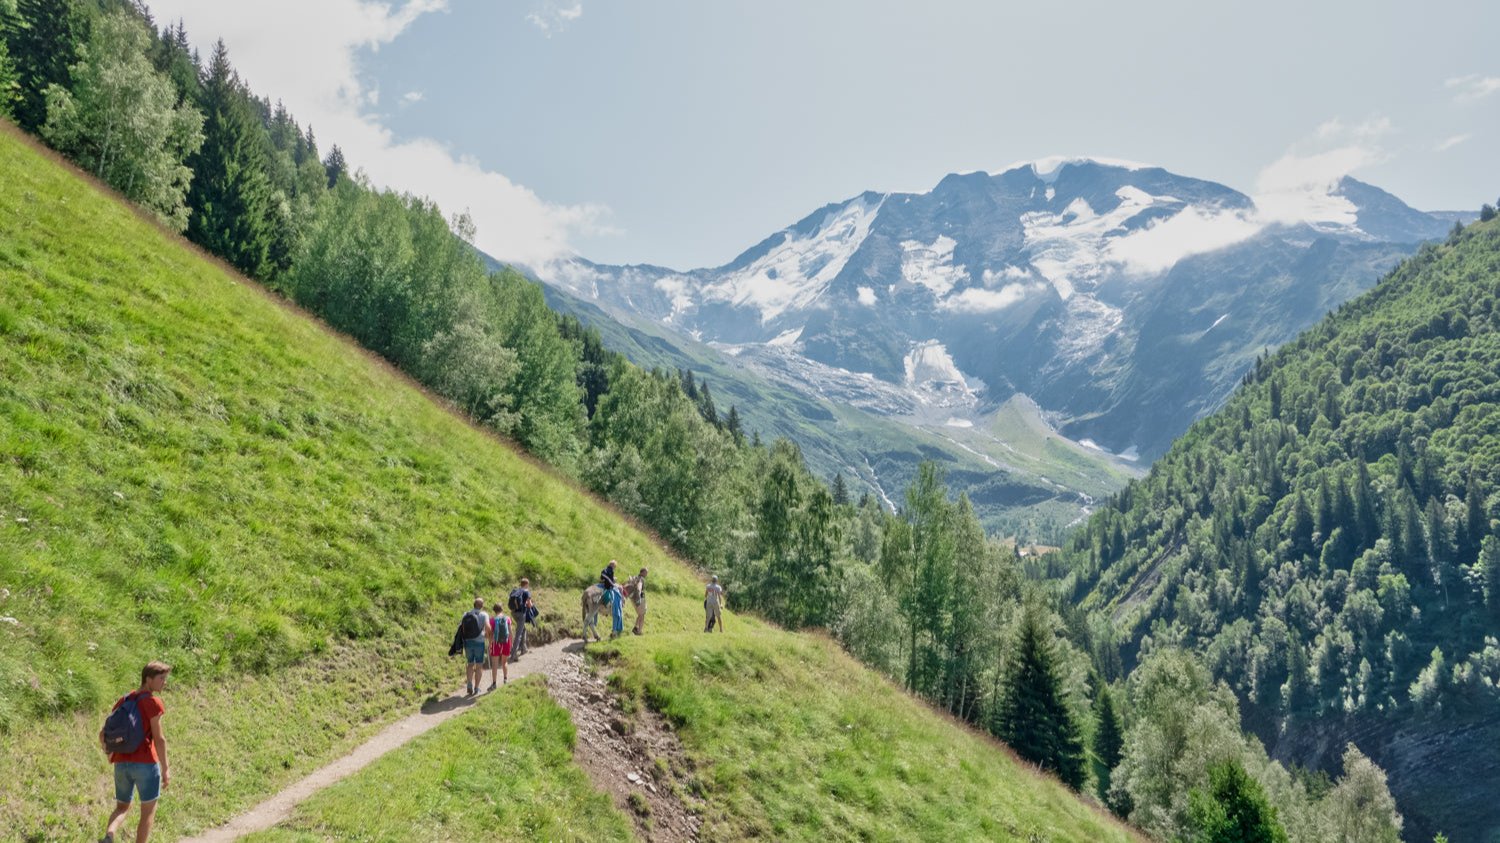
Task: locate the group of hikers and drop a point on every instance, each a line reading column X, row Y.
column 494, row 639
column 137, row 746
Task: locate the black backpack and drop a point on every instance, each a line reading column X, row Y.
column 468, row 628
column 516, row 603
column 123, row 730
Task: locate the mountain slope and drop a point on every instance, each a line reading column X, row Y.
column 1021, row 475
column 191, row 470
column 1328, row 540
column 1122, row 299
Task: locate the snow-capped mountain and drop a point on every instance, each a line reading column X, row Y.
column 1123, row 299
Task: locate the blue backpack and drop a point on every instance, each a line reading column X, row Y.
column 123, row 730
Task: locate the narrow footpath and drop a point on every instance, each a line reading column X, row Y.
column 546, row 659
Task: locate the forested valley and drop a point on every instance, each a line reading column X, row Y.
column 1324, row 546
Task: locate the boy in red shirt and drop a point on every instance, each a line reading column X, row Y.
column 145, row 769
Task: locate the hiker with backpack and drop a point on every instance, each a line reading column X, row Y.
column 474, row 637
column 636, row 587
column 521, row 611
column 712, row 596
column 499, row 645
column 137, row 747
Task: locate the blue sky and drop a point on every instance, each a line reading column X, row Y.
column 680, row 133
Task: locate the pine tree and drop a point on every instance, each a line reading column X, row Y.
column 1033, row 716
column 1439, row 546
column 44, row 37
column 1234, row 809
column 335, row 166
column 10, row 80
column 1476, row 523
column 706, row 406
column 231, row 195
column 840, row 490
column 1489, row 562
column 1109, row 737
column 732, row 424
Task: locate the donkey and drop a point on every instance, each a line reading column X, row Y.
column 593, row 601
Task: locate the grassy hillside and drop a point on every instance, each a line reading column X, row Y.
column 190, row 470
column 1328, row 541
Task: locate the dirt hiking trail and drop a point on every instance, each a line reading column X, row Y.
column 620, row 760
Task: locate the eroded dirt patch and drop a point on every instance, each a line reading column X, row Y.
column 635, row 757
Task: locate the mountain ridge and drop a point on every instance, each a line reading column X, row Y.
column 1121, row 298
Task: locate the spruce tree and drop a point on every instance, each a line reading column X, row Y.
column 733, row 425
column 335, row 166
column 1109, row 737
column 840, row 490
column 1033, row 716
column 10, row 82
column 1489, row 562
column 1234, row 809
column 231, row 195
column 1476, row 523
column 44, row 37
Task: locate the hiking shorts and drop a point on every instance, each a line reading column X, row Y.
column 144, row 779
column 474, row 651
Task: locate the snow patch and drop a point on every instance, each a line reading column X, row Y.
column 1047, row 169
column 958, row 422
column 794, row 273
column 677, row 291
column 1216, row 322
column 933, row 375
column 931, row 265
column 787, row 339
column 1070, row 248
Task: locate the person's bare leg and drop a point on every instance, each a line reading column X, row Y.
column 143, row 828
column 121, row 809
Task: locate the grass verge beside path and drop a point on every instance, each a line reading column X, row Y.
column 233, row 741
column 793, row 740
column 503, row 770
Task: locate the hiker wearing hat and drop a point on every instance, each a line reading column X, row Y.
column 712, row 596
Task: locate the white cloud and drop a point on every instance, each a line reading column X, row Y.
column 1297, row 187
column 555, row 16
column 1472, row 87
column 412, row 96
column 1010, row 273
column 1449, row 143
column 867, row 296
column 980, row 300
column 1193, row 231
column 313, row 68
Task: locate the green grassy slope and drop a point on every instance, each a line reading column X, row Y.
column 191, row 471
column 503, row 770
